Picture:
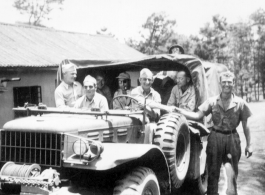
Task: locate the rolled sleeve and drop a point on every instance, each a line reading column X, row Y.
column 157, row 99
column 206, row 107
column 59, row 99
column 103, row 104
column 172, row 98
column 246, row 112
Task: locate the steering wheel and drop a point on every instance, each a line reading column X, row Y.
column 128, row 101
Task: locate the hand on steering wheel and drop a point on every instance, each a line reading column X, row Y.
column 127, row 105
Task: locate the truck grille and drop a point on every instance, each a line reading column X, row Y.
column 31, row 147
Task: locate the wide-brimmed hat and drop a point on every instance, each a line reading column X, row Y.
column 123, row 75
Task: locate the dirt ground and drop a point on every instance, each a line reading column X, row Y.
column 251, row 178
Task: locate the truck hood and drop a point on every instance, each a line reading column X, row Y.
column 66, row 123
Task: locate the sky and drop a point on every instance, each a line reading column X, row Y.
column 124, row 18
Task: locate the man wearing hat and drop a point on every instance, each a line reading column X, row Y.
column 223, row 146
column 124, row 82
column 69, row 90
column 91, row 99
column 176, row 49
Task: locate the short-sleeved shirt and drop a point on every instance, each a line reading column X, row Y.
column 154, row 96
column 237, row 111
column 186, row 100
column 98, row 101
column 66, row 95
column 105, row 91
column 123, row 101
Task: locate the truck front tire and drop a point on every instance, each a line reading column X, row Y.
column 140, row 181
column 172, row 135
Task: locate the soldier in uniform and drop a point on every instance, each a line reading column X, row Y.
column 103, row 89
column 145, row 91
column 91, row 100
column 176, row 49
column 124, row 81
column 69, row 90
column 223, row 146
column 183, row 94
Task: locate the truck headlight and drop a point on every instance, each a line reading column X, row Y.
column 80, row 147
column 94, row 151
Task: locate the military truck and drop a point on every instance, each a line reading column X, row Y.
column 67, row 151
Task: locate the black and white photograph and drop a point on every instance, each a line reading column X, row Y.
column 132, row 97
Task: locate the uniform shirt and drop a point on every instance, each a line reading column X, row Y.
column 123, row 101
column 228, row 120
column 184, row 100
column 139, row 92
column 98, row 101
column 167, row 86
column 65, row 95
column 105, row 91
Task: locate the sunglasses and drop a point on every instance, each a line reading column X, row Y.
column 89, row 87
column 122, row 81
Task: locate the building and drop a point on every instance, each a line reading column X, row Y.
column 33, row 54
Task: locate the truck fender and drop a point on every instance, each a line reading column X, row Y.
column 116, row 154
column 198, row 128
column 198, row 153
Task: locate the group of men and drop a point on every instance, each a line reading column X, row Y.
column 71, row 94
column 227, row 111
column 96, row 95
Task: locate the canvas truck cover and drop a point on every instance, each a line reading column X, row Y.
column 163, row 62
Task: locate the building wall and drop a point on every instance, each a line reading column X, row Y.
column 35, row 77
column 29, row 77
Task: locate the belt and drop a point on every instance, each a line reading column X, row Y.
column 225, row 132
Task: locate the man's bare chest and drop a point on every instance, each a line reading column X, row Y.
column 226, row 104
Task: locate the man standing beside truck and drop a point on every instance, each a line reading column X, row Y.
column 223, row 146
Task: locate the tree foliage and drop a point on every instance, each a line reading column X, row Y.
column 213, row 44
column 258, row 24
column 240, row 46
column 155, row 33
column 37, row 10
column 241, row 50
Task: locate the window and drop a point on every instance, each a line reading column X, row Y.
column 32, row 95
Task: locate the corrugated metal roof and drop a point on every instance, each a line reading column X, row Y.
column 28, row 46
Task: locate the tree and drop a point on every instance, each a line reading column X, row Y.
column 241, row 44
column 155, row 33
column 213, row 44
column 258, row 21
column 37, row 10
